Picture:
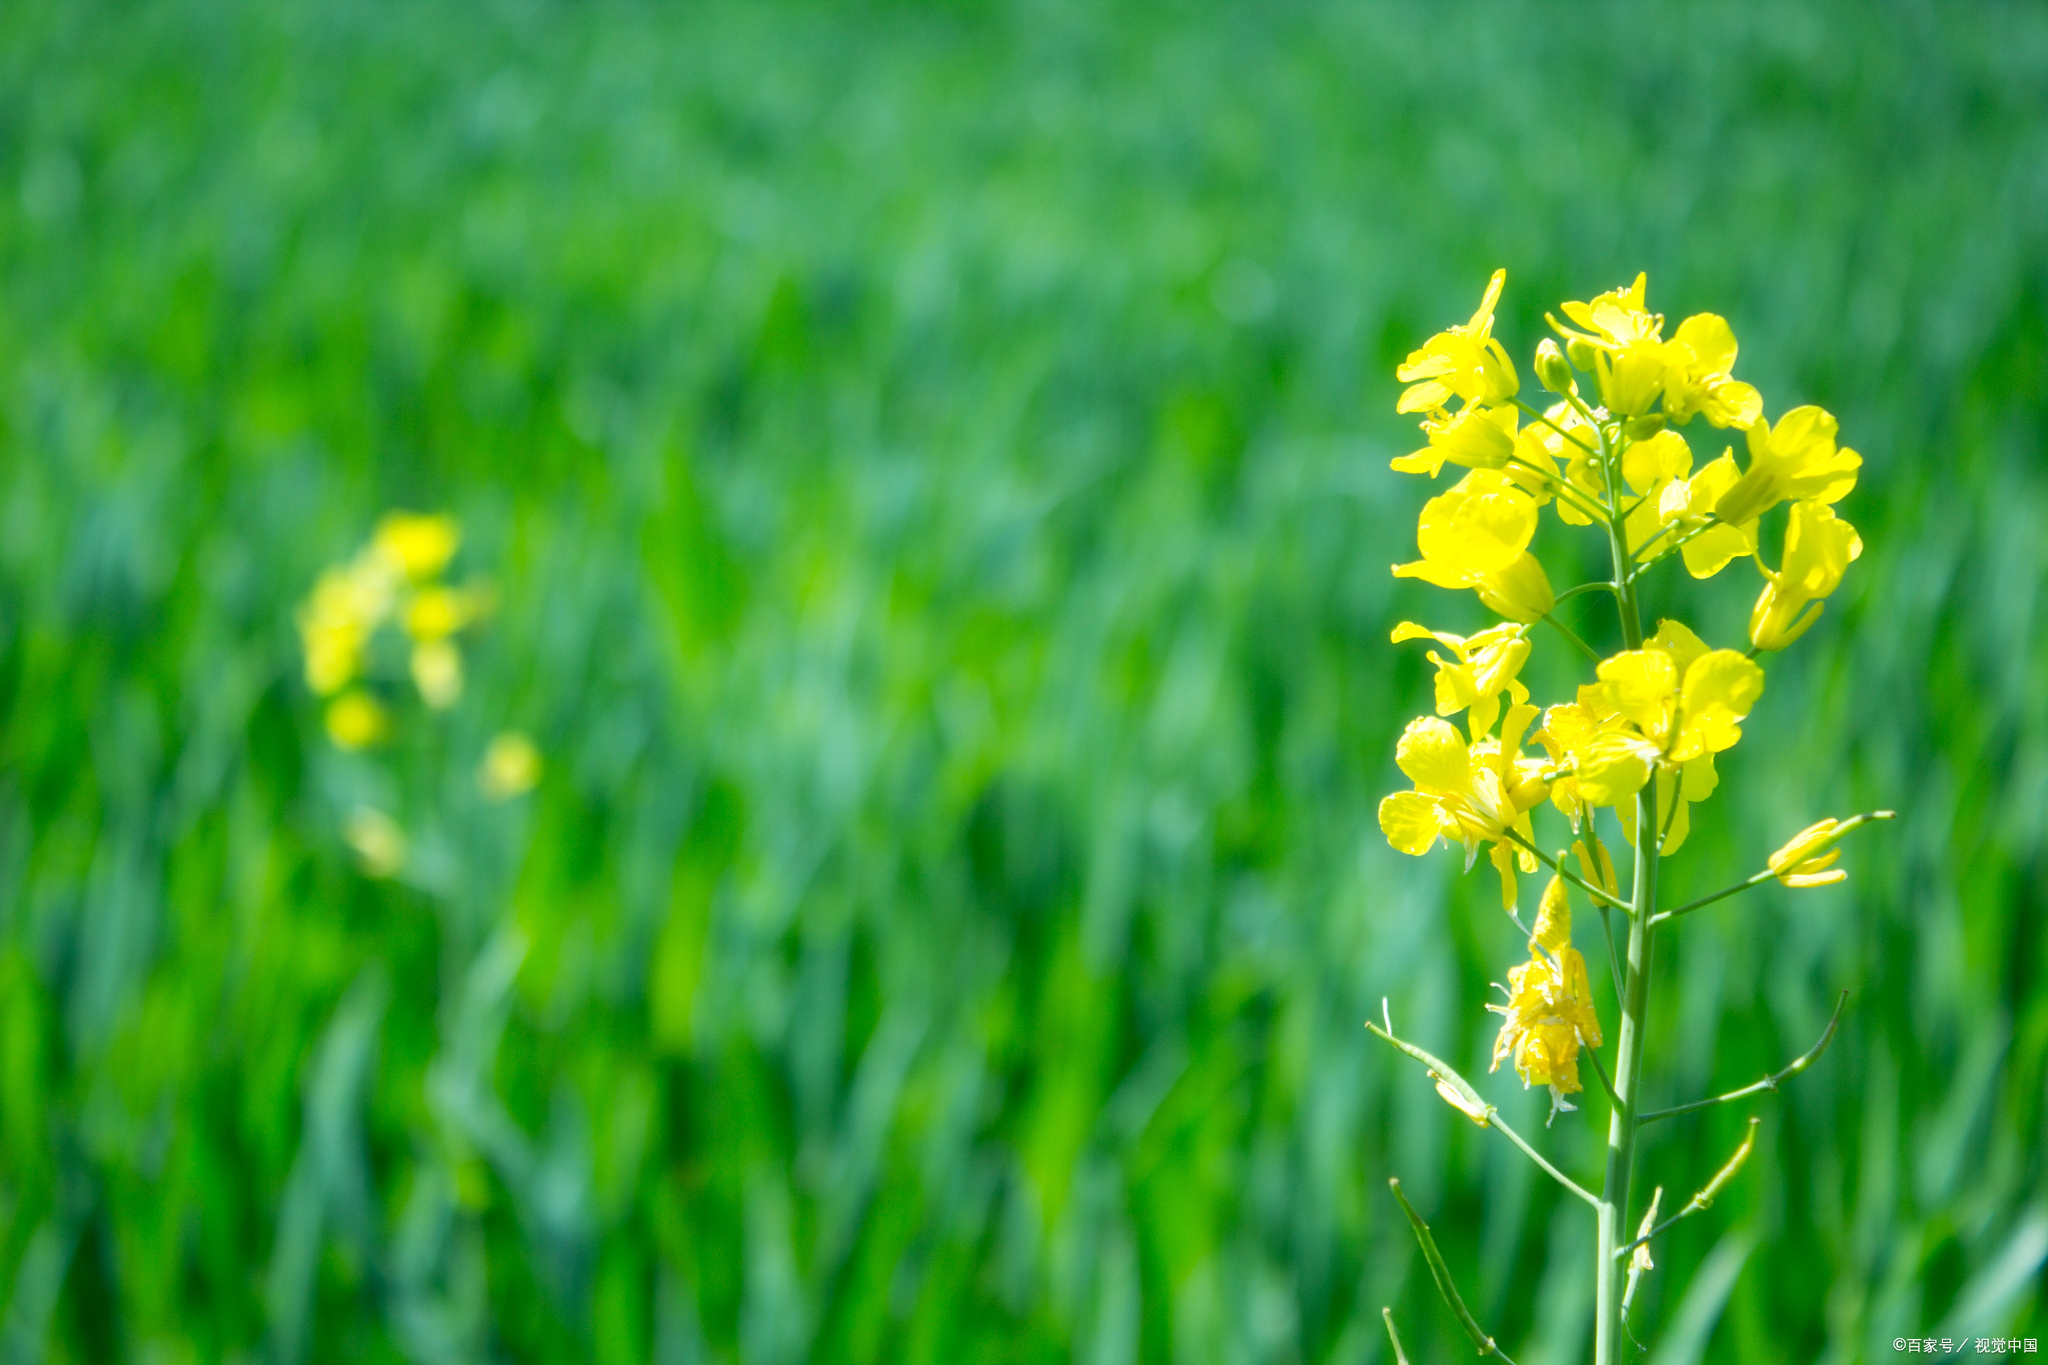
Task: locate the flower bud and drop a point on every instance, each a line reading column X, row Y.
column 1551, row 369
column 1580, row 352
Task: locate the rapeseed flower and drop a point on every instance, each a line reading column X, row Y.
column 1698, row 379
column 1476, row 535
column 1795, row 460
column 1818, row 549
column 510, row 767
column 1473, row 794
column 1460, row 362
column 1485, row 666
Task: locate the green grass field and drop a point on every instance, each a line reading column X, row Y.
column 932, row 464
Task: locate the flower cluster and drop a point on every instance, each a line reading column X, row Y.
column 394, row 580
column 1644, row 733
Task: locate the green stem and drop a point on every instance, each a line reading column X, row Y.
column 1556, row 865
column 1564, row 630
column 1628, row 1062
column 1602, row 586
column 1770, row 1082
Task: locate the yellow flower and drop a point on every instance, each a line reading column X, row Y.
column 355, row 720
column 1476, row 535
column 1604, row 761
column 1474, row 437
column 1629, row 356
column 511, row 766
column 1487, row 664
column 437, row 612
column 1473, row 794
column 417, row 546
column 1684, row 698
column 1797, row 459
column 437, row 672
column 337, row 620
column 1807, row 859
column 1549, row 1014
column 1698, row 380
column 1818, row 548
column 1462, row 362
column 1684, row 506
column 378, row 842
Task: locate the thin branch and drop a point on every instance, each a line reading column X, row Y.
column 1459, row 1094
column 1563, row 489
column 1704, row 901
column 1841, row 830
column 1487, row 1345
column 1599, row 897
column 1564, row 630
column 1400, row 1356
column 1640, row 1261
column 1643, row 564
column 1705, row 1198
column 1770, row 1082
column 1544, row 418
column 1601, row 1071
column 1613, row 958
column 1602, row 586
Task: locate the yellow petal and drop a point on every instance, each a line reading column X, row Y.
column 1645, row 464
column 1433, row 756
column 1640, row 684
column 1411, row 821
column 1720, row 688
column 1520, row 592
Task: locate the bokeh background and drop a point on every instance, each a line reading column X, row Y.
column 932, row 462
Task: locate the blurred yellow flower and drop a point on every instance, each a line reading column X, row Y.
column 1463, row 362
column 418, row 546
column 437, row 672
column 510, row 767
column 1549, row 1014
column 379, row 843
column 1818, row 549
column 1797, row 459
column 437, row 611
column 355, row 720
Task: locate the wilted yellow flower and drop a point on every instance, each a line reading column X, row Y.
column 437, row 672
column 1807, row 858
column 1463, row 362
column 1549, row 1014
column 1486, row 666
column 379, row 843
column 511, row 767
column 1796, row 459
column 418, row 546
column 1473, row 794
column 1698, row 379
column 1476, row 535
column 355, row 720
column 1818, row 549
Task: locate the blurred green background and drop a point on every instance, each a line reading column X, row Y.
column 932, row 459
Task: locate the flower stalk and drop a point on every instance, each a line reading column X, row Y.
column 1641, row 740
